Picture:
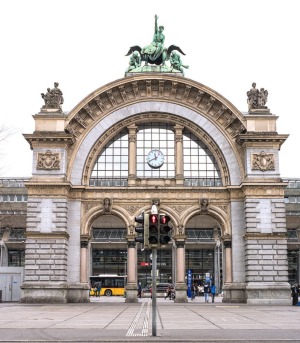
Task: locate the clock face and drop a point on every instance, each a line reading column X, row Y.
column 155, row 158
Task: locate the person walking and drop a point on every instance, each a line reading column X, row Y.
column 139, row 294
column 213, row 292
column 206, row 292
column 99, row 286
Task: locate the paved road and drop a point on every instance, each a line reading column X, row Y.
column 112, row 320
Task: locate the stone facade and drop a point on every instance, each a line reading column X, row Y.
column 248, row 207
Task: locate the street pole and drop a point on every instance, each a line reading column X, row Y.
column 154, row 268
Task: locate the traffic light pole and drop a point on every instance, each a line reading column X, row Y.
column 154, row 269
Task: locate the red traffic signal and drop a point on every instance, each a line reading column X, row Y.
column 153, row 229
column 164, row 229
column 153, row 219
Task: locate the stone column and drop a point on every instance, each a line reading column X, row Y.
column 180, row 287
column 228, row 262
column 83, row 261
column 131, row 287
column 132, row 129
column 179, row 154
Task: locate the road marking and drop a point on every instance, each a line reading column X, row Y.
column 136, row 319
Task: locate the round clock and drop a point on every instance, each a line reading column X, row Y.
column 155, row 158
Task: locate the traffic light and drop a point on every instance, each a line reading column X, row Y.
column 153, row 229
column 164, row 229
column 143, row 228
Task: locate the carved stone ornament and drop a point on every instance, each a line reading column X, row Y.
column 53, row 98
column 263, row 161
column 107, row 205
column 48, row 161
column 203, row 204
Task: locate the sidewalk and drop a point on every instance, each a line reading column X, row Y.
column 110, row 319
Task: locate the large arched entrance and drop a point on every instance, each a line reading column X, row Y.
column 226, row 205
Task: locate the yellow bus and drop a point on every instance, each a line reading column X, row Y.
column 111, row 284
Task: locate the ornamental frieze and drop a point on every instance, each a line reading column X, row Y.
column 179, row 208
column 48, row 160
column 155, row 90
column 263, row 161
column 132, row 208
column 88, row 206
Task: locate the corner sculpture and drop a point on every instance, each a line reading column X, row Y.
column 53, row 98
column 257, row 99
column 155, row 53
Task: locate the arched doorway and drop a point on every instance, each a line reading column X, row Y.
column 203, row 250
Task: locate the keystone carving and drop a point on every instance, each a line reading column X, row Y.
column 204, row 205
column 263, row 161
column 48, row 161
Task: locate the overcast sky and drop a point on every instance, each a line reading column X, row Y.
column 82, row 45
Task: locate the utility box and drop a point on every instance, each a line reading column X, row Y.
column 11, row 279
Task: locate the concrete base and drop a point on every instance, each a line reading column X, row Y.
column 131, row 293
column 53, row 293
column 180, row 292
column 268, row 293
column 79, row 293
column 44, row 293
column 234, row 293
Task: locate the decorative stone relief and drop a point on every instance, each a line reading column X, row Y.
column 48, row 161
column 107, row 205
column 132, row 209
column 263, row 161
column 204, row 204
column 179, row 208
column 88, row 206
column 128, row 92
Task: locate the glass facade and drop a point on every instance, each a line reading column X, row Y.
column 155, row 137
column 200, row 261
column 111, row 167
column 199, row 165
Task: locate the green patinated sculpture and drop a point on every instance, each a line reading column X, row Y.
column 134, row 61
column 176, row 63
column 155, row 53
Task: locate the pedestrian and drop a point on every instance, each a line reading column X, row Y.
column 206, row 292
column 95, row 291
column 213, row 292
column 194, row 291
column 295, row 291
column 168, row 292
column 99, row 286
column 139, row 294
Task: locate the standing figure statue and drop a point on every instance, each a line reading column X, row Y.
column 252, row 97
column 156, row 48
column 176, row 63
column 57, row 96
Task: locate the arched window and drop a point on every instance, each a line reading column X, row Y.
column 112, row 164
column 111, row 167
column 199, row 165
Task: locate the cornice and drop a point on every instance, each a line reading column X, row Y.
column 49, row 137
column 155, row 87
column 261, row 137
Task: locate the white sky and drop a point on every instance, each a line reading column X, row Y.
column 81, row 44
